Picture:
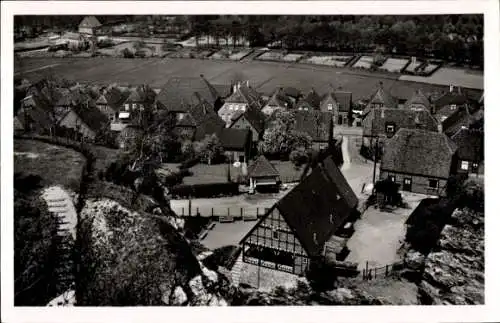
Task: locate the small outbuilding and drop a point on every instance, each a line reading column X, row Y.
column 263, row 175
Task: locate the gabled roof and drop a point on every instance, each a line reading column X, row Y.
column 206, row 119
column 90, row 22
column 262, row 167
column 344, row 100
column 73, row 97
column 400, row 118
column 291, row 92
column 470, row 144
column 113, row 97
column 245, row 94
column 383, row 97
column 418, row 99
column 315, row 123
column 255, row 117
column 181, row 92
column 316, row 208
column 234, row 139
column 419, row 152
column 312, row 100
column 457, row 97
column 452, row 119
column 141, row 94
column 280, row 99
column 92, row 117
column 336, row 176
column 18, row 125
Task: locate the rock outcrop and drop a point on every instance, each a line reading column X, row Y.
column 454, row 274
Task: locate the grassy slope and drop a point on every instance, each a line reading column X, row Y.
column 54, row 164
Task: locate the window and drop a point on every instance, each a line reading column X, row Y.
column 330, row 107
column 433, row 183
column 464, row 165
column 275, row 234
column 389, row 128
column 134, row 106
column 392, row 178
column 305, row 109
column 453, row 106
column 126, row 107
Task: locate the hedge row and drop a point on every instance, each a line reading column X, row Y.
column 204, row 190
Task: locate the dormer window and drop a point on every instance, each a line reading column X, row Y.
column 330, row 107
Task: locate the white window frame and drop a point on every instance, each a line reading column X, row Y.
column 392, row 178
column 330, row 107
column 134, row 106
column 306, row 109
column 389, row 128
column 127, row 107
column 464, row 165
column 453, row 106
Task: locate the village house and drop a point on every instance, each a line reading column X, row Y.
column 420, row 161
column 278, row 101
column 383, row 123
column 338, row 103
column 292, row 93
column 311, row 101
column 180, row 93
column 87, row 121
column 263, row 175
column 111, row 101
column 318, row 125
column 252, row 119
column 140, row 98
column 199, row 121
column 418, row 101
column 382, row 98
column 34, row 114
column 470, row 150
column 297, row 229
column 242, row 97
column 89, row 25
column 237, row 144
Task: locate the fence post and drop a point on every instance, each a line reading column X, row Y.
column 182, row 211
column 386, row 270
column 212, row 212
column 197, row 211
column 241, row 212
column 257, row 211
column 375, row 273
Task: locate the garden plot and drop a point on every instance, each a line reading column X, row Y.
column 394, row 65
column 364, row 62
column 430, row 67
column 413, row 66
column 292, row 57
column 337, row 61
column 271, row 56
column 234, row 55
column 191, row 53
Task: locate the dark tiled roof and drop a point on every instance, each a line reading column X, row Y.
column 312, row 100
column 315, row 208
column 234, row 139
column 280, row 99
column 255, row 117
column 400, row 118
column 181, row 92
column 73, row 97
column 262, row 167
column 344, row 99
column 206, row 120
column 383, row 97
column 455, row 97
column 187, row 121
column 336, row 176
column 315, row 123
column 291, row 92
column 419, row 152
column 113, row 97
column 453, row 119
column 92, row 117
column 417, row 100
column 35, row 111
column 142, row 94
column 470, row 144
column 245, row 94
column 90, row 22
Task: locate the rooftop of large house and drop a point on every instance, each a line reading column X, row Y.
column 234, row 139
column 310, row 210
column 255, row 117
column 280, row 99
column 244, row 93
column 204, row 119
column 181, row 92
column 400, row 118
column 419, row 152
column 92, row 117
column 312, row 99
column 113, row 97
column 455, row 96
column 470, row 144
column 418, row 99
column 141, row 94
column 382, row 97
column 315, row 123
column 343, row 99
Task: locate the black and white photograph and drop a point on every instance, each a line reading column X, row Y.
column 178, row 159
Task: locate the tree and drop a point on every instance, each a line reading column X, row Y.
column 299, row 157
column 209, row 149
column 280, row 139
column 127, row 53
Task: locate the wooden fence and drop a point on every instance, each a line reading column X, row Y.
column 229, row 214
column 383, row 271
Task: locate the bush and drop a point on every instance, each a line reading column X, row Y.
column 177, row 177
column 223, row 256
column 205, row 190
column 127, row 53
column 193, row 226
column 299, row 157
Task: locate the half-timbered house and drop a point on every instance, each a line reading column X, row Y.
column 298, row 228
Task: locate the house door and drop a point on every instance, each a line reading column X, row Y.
column 339, row 119
column 407, row 184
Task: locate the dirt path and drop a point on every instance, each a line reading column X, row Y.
column 37, row 69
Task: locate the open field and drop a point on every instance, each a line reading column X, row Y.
column 265, row 76
column 54, row 164
column 446, row 75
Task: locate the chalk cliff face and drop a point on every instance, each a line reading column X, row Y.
column 454, row 274
column 141, row 259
